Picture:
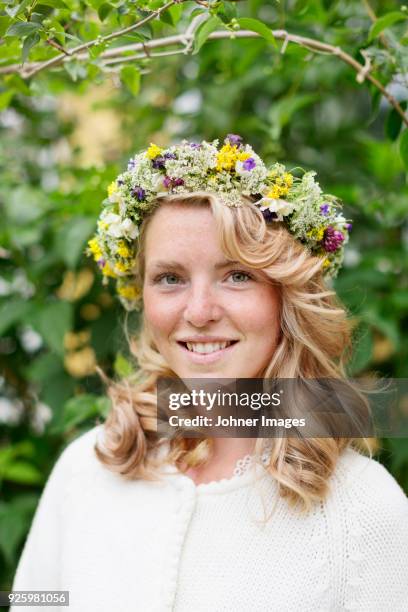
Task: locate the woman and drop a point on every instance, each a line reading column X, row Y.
column 228, row 267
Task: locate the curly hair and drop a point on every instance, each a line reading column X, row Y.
column 315, row 342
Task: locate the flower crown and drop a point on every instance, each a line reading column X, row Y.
column 229, row 171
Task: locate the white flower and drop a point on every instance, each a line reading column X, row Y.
column 130, row 230
column 115, row 197
column 118, row 228
column 280, row 207
column 41, row 416
column 11, row 412
column 157, row 181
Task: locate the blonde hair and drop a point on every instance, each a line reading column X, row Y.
column 315, row 342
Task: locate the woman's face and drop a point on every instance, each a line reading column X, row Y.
column 209, row 317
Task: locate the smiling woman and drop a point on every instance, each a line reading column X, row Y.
column 228, row 290
column 214, row 274
column 207, row 316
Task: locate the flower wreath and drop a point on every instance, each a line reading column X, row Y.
column 229, row 171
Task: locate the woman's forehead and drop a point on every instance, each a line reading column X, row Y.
column 181, row 230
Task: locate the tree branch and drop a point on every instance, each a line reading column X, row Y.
column 54, row 61
column 142, row 51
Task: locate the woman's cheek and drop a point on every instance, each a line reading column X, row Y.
column 159, row 309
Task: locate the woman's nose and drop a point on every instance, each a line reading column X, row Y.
column 202, row 305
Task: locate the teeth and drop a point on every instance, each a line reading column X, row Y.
column 207, row 347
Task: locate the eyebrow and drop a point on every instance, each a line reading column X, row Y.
column 175, row 265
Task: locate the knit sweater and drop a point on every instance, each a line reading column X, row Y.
column 144, row 546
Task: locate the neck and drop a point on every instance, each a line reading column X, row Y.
column 226, row 452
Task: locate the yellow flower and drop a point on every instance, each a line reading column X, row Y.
column 107, row 271
column 103, row 225
column 153, row 151
column 326, row 262
column 274, row 193
column 281, row 185
column 122, row 266
column 94, row 248
column 129, row 292
column 316, row 234
column 123, row 250
column 112, row 188
column 288, row 178
column 227, row 157
column 243, row 156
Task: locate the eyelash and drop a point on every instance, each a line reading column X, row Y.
column 161, row 276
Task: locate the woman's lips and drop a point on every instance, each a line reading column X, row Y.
column 207, row 357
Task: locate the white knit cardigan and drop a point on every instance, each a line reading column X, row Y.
column 133, row 546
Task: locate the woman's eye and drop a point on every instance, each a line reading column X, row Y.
column 241, row 276
column 171, row 279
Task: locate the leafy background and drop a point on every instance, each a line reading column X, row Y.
column 68, row 130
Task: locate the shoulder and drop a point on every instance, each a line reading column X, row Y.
column 83, row 444
column 366, row 487
column 78, row 459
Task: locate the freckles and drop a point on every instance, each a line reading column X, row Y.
column 162, row 313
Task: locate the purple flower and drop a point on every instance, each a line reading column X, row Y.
column 234, row 140
column 324, row 209
column 170, row 156
column 332, row 239
column 120, row 182
column 349, row 227
column 268, row 215
column 194, row 145
column 169, row 182
column 131, row 164
column 138, row 193
column 249, row 164
column 158, row 162
column 101, row 262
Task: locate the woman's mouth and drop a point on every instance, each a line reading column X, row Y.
column 207, row 352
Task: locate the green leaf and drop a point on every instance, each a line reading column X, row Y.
column 281, row 113
column 52, row 321
column 175, row 13
column 12, row 312
column 16, row 10
column 23, row 28
column 23, row 473
column 80, row 408
column 15, row 518
column 204, row 31
column 17, row 84
column 122, row 366
column 399, row 452
column 28, row 44
column 71, row 239
column 388, row 327
column 130, row 76
column 104, row 10
column 385, row 22
column 227, row 12
column 5, row 99
column 259, row 27
column 104, row 406
column 404, row 147
column 4, row 24
column 393, row 122
column 172, row 15
column 55, row 3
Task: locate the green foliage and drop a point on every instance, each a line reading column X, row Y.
column 69, row 128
